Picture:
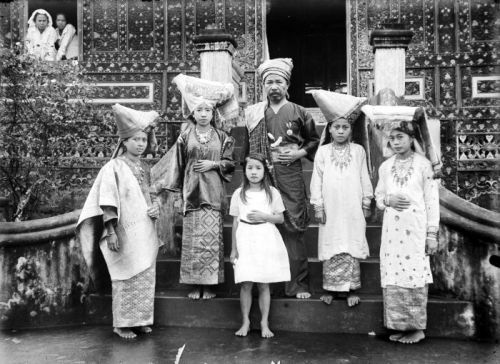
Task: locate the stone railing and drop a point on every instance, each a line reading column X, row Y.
column 42, row 273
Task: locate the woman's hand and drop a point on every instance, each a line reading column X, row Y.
column 154, row 211
column 234, row 256
column 320, row 216
column 257, row 216
column 203, row 165
column 398, row 202
column 113, row 243
column 431, row 246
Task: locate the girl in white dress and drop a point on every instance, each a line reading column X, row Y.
column 258, row 252
column 408, row 193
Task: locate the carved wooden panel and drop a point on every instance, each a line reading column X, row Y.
column 453, row 54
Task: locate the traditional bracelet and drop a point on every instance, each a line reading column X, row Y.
column 215, row 165
column 318, row 208
column 111, row 233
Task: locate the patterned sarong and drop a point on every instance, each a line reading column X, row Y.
column 133, row 299
column 202, row 256
column 341, row 273
column 405, row 308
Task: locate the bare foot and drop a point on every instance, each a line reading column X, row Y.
column 303, row 295
column 396, row 337
column 124, row 333
column 208, row 294
column 144, row 329
column 413, row 337
column 244, row 329
column 327, row 298
column 194, row 294
column 352, row 300
column 265, row 332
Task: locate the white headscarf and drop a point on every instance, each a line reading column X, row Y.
column 31, row 21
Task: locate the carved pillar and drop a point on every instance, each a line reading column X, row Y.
column 216, row 50
column 389, row 45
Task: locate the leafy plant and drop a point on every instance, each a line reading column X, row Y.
column 44, row 113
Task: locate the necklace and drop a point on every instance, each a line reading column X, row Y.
column 204, row 139
column 402, row 170
column 136, row 168
column 340, row 155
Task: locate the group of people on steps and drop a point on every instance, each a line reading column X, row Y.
column 269, row 210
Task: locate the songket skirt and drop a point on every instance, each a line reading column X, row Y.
column 341, row 273
column 133, row 299
column 202, row 256
column 405, row 309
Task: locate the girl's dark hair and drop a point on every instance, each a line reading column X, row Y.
column 265, row 183
column 65, row 17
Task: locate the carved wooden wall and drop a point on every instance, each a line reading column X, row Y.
column 452, row 70
column 132, row 49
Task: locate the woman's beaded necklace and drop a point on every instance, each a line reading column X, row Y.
column 340, row 155
column 402, row 170
column 136, row 168
column 204, row 139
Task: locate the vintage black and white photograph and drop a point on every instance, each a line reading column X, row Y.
column 249, row 181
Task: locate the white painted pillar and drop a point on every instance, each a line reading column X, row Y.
column 389, row 45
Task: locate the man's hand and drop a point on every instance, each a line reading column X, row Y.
column 290, row 156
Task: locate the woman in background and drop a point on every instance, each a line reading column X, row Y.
column 67, row 39
column 41, row 36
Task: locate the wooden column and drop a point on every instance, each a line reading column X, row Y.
column 389, row 45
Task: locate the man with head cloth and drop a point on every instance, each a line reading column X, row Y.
column 285, row 132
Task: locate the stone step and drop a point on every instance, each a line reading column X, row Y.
column 168, row 271
column 373, row 234
column 446, row 318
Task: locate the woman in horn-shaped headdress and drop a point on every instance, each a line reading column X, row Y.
column 119, row 216
column 202, row 163
column 341, row 193
column 408, row 193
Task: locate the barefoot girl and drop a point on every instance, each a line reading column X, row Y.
column 202, row 164
column 341, row 193
column 409, row 195
column 119, row 215
column 258, row 252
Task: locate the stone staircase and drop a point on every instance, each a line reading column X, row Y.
column 446, row 317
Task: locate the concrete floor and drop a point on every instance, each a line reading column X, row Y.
column 97, row 344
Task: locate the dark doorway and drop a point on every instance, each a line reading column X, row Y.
column 313, row 34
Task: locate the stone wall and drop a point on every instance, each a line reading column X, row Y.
column 42, row 284
column 462, row 269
